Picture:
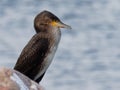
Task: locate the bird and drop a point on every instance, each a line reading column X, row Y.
column 38, row 54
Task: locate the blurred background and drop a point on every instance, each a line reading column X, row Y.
column 88, row 57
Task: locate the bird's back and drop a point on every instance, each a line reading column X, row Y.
column 32, row 57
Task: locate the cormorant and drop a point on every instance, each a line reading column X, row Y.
column 40, row 50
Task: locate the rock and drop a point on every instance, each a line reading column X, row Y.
column 14, row 80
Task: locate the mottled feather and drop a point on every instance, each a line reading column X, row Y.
column 33, row 55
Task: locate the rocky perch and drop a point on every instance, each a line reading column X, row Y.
column 14, row 80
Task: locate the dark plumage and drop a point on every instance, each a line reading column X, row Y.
column 39, row 52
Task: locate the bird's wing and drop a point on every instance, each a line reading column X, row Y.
column 33, row 54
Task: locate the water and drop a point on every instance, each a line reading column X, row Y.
column 88, row 57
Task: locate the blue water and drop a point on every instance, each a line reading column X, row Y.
column 88, row 57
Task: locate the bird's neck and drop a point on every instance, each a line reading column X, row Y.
column 53, row 36
column 56, row 34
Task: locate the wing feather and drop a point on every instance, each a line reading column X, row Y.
column 32, row 56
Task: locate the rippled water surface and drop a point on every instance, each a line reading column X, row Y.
column 88, row 57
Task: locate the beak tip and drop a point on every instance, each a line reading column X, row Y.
column 69, row 27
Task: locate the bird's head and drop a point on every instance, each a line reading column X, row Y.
column 46, row 19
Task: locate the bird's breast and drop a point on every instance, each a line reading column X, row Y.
column 50, row 54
